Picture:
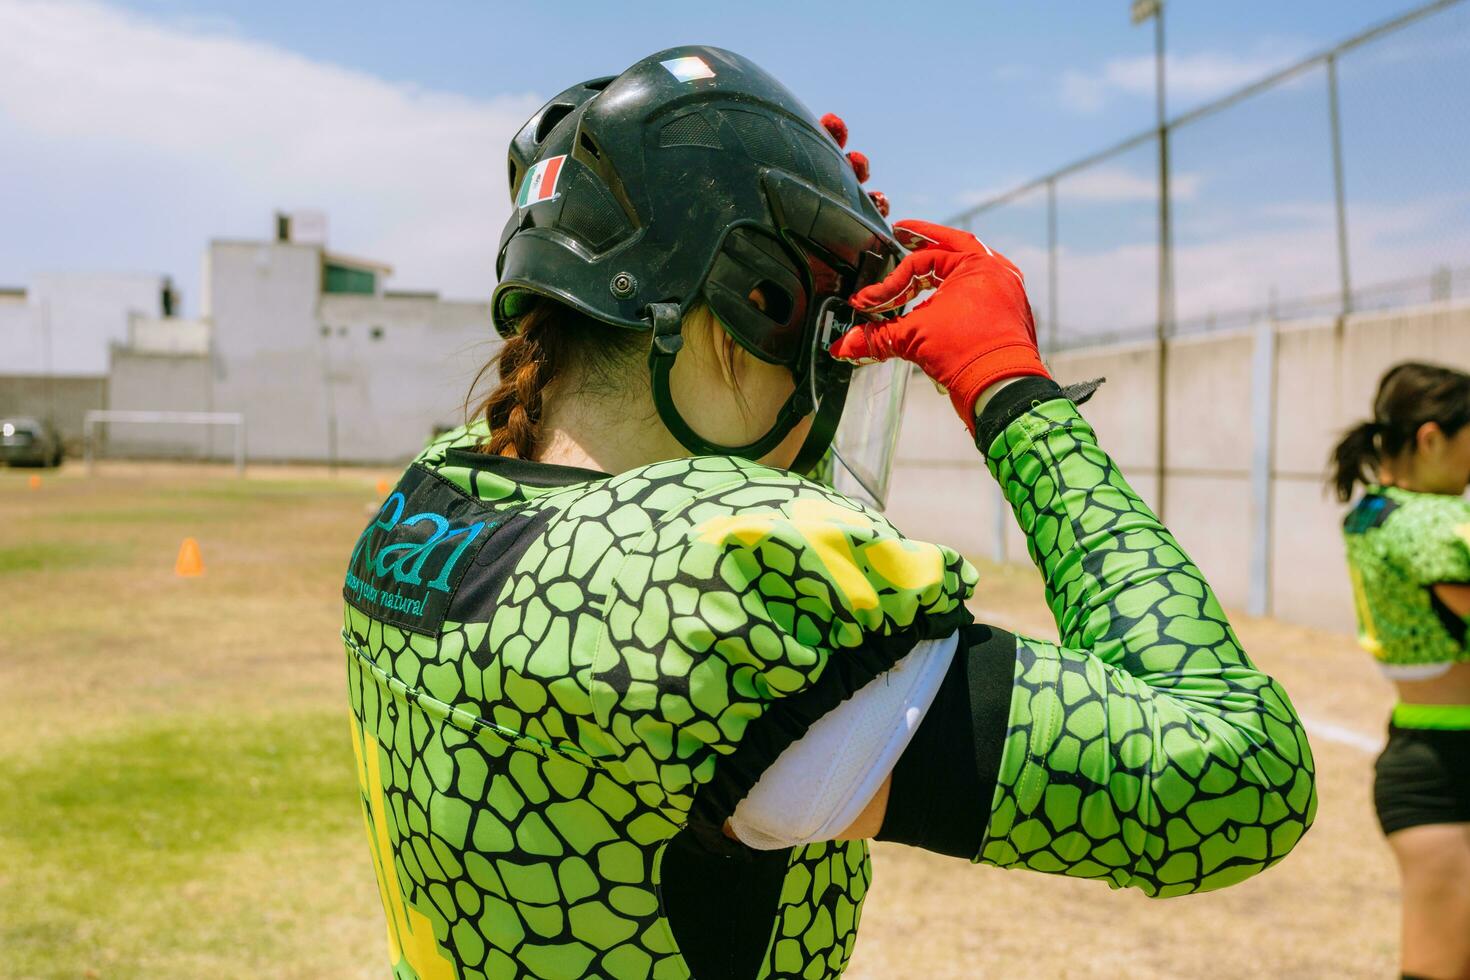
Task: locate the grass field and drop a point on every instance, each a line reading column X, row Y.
column 177, row 796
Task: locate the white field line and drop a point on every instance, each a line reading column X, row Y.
column 1316, row 727
column 1343, row 736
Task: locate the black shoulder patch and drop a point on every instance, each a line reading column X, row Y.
column 1369, row 513
column 1453, row 623
column 409, row 562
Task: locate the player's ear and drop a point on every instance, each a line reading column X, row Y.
column 1430, row 439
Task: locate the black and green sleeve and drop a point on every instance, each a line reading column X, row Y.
column 1144, row 748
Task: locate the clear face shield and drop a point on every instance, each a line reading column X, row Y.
column 860, row 460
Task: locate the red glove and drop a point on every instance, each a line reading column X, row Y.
column 974, row 331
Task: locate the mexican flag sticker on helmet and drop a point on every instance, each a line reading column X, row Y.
column 540, row 183
column 689, row 68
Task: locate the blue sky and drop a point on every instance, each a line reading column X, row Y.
column 138, row 129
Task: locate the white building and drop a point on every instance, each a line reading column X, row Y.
column 324, row 363
column 63, row 323
column 55, row 335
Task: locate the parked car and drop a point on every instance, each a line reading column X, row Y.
column 29, row 442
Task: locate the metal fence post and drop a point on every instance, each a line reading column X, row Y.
column 1263, row 442
column 1052, row 327
column 1166, row 272
column 1338, row 187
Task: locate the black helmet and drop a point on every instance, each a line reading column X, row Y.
column 695, row 176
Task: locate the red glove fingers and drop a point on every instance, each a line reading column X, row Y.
column 833, row 124
column 917, row 272
column 916, row 235
column 837, row 129
column 976, row 328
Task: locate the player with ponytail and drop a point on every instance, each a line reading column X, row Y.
column 1408, row 549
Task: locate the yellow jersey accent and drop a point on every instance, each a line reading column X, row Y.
column 824, row 527
column 410, row 934
column 906, row 564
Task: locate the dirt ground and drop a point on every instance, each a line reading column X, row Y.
column 176, row 800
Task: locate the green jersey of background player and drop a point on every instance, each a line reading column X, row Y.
column 630, row 694
column 1408, row 550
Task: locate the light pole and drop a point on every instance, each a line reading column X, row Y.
column 1140, row 11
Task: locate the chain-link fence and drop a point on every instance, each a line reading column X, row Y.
column 1337, row 184
column 1317, row 231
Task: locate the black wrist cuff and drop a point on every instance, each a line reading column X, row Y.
column 944, row 782
column 1019, row 397
column 1009, row 404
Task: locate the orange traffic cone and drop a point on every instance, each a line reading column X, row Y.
column 383, row 487
column 34, row 482
column 189, row 563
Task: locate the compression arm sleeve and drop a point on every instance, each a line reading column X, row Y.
column 1145, row 748
column 822, row 782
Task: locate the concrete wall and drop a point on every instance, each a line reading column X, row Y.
column 399, row 366
column 940, row 490
column 20, row 341
column 163, row 382
column 72, row 318
column 335, row 377
column 1323, row 376
column 169, row 335
column 62, row 401
column 1325, row 380
column 268, row 360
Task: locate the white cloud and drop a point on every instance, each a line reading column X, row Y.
column 982, row 194
column 1115, row 185
column 411, row 176
column 1113, row 288
column 1190, row 77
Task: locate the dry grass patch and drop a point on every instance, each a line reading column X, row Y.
column 179, row 797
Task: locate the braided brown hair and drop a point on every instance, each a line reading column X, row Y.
column 552, row 342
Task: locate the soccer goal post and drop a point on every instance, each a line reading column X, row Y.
column 102, row 416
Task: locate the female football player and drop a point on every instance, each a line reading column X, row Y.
column 1408, row 547
column 631, row 694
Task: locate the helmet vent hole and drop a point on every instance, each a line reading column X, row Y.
column 514, row 175
column 827, row 165
column 586, row 143
column 552, row 115
column 690, row 129
column 590, row 213
column 772, row 300
column 761, row 136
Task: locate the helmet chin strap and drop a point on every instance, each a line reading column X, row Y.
column 668, row 340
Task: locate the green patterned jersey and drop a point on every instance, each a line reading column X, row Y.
column 563, row 682
column 1145, row 749
column 1400, row 544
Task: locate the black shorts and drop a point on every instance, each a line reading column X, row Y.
column 1422, row 777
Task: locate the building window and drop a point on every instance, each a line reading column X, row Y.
column 345, row 279
column 376, row 333
column 341, row 331
column 326, row 330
